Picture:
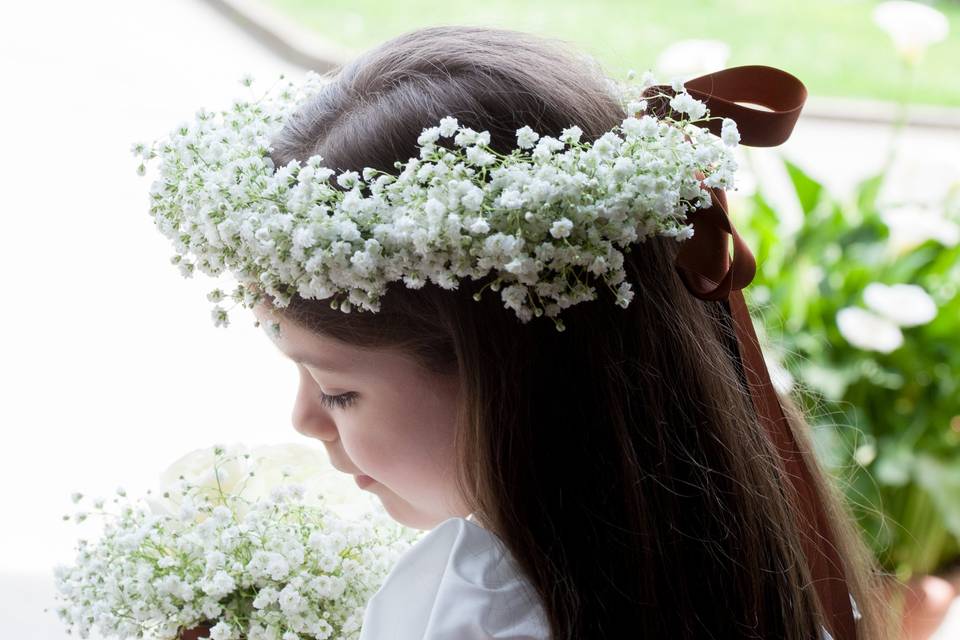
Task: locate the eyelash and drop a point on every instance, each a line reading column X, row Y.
column 338, row 402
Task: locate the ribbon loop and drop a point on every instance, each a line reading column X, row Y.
column 703, row 260
column 769, row 87
column 706, row 269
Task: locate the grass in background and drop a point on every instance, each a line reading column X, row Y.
column 833, row 46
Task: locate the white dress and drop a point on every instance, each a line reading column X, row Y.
column 459, row 582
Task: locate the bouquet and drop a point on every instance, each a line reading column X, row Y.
column 206, row 561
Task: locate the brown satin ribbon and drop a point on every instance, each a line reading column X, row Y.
column 705, row 267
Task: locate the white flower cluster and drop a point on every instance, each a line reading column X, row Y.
column 283, row 570
column 544, row 219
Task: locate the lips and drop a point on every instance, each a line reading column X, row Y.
column 340, row 467
column 363, row 481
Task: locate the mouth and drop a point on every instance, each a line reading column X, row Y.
column 363, row 481
column 341, row 468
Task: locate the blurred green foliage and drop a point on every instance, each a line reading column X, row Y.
column 887, row 425
column 833, row 45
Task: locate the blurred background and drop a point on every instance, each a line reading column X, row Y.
column 112, row 368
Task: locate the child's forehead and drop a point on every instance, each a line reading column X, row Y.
column 294, row 339
column 326, row 353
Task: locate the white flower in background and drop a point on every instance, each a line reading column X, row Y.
column 913, row 225
column 866, row 330
column 865, row 453
column 781, row 379
column 691, row 58
column 913, row 26
column 908, row 305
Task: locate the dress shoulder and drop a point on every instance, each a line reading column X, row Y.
column 457, row 582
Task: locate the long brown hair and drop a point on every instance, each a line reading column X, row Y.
column 619, row 461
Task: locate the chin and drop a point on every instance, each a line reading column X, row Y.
column 406, row 514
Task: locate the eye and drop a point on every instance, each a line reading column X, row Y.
column 338, row 402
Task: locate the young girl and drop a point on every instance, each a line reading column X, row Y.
column 608, row 481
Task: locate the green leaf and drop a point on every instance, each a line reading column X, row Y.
column 866, row 191
column 808, row 190
column 907, row 266
column 942, row 482
column 762, row 234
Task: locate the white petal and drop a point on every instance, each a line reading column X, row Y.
column 866, row 330
column 912, row 26
column 906, row 304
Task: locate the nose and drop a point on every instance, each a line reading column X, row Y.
column 309, row 417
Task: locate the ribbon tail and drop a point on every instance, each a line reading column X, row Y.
column 703, row 266
column 817, row 536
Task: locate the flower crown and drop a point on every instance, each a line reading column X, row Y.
column 542, row 218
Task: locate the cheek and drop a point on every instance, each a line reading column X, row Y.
column 372, row 438
column 407, row 443
column 429, row 447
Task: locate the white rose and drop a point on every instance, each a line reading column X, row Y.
column 272, row 465
column 197, row 468
column 304, row 465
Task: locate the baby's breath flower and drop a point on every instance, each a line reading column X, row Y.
column 729, row 133
column 443, row 216
column 477, row 156
column 571, row 135
column 685, row 103
column 526, row 137
column 348, row 179
column 223, row 631
column 252, row 569
column 220, row 317
column 448, row 126
column 429, row 136
column 561, row 228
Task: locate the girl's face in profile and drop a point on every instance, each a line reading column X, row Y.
column 380, row 415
